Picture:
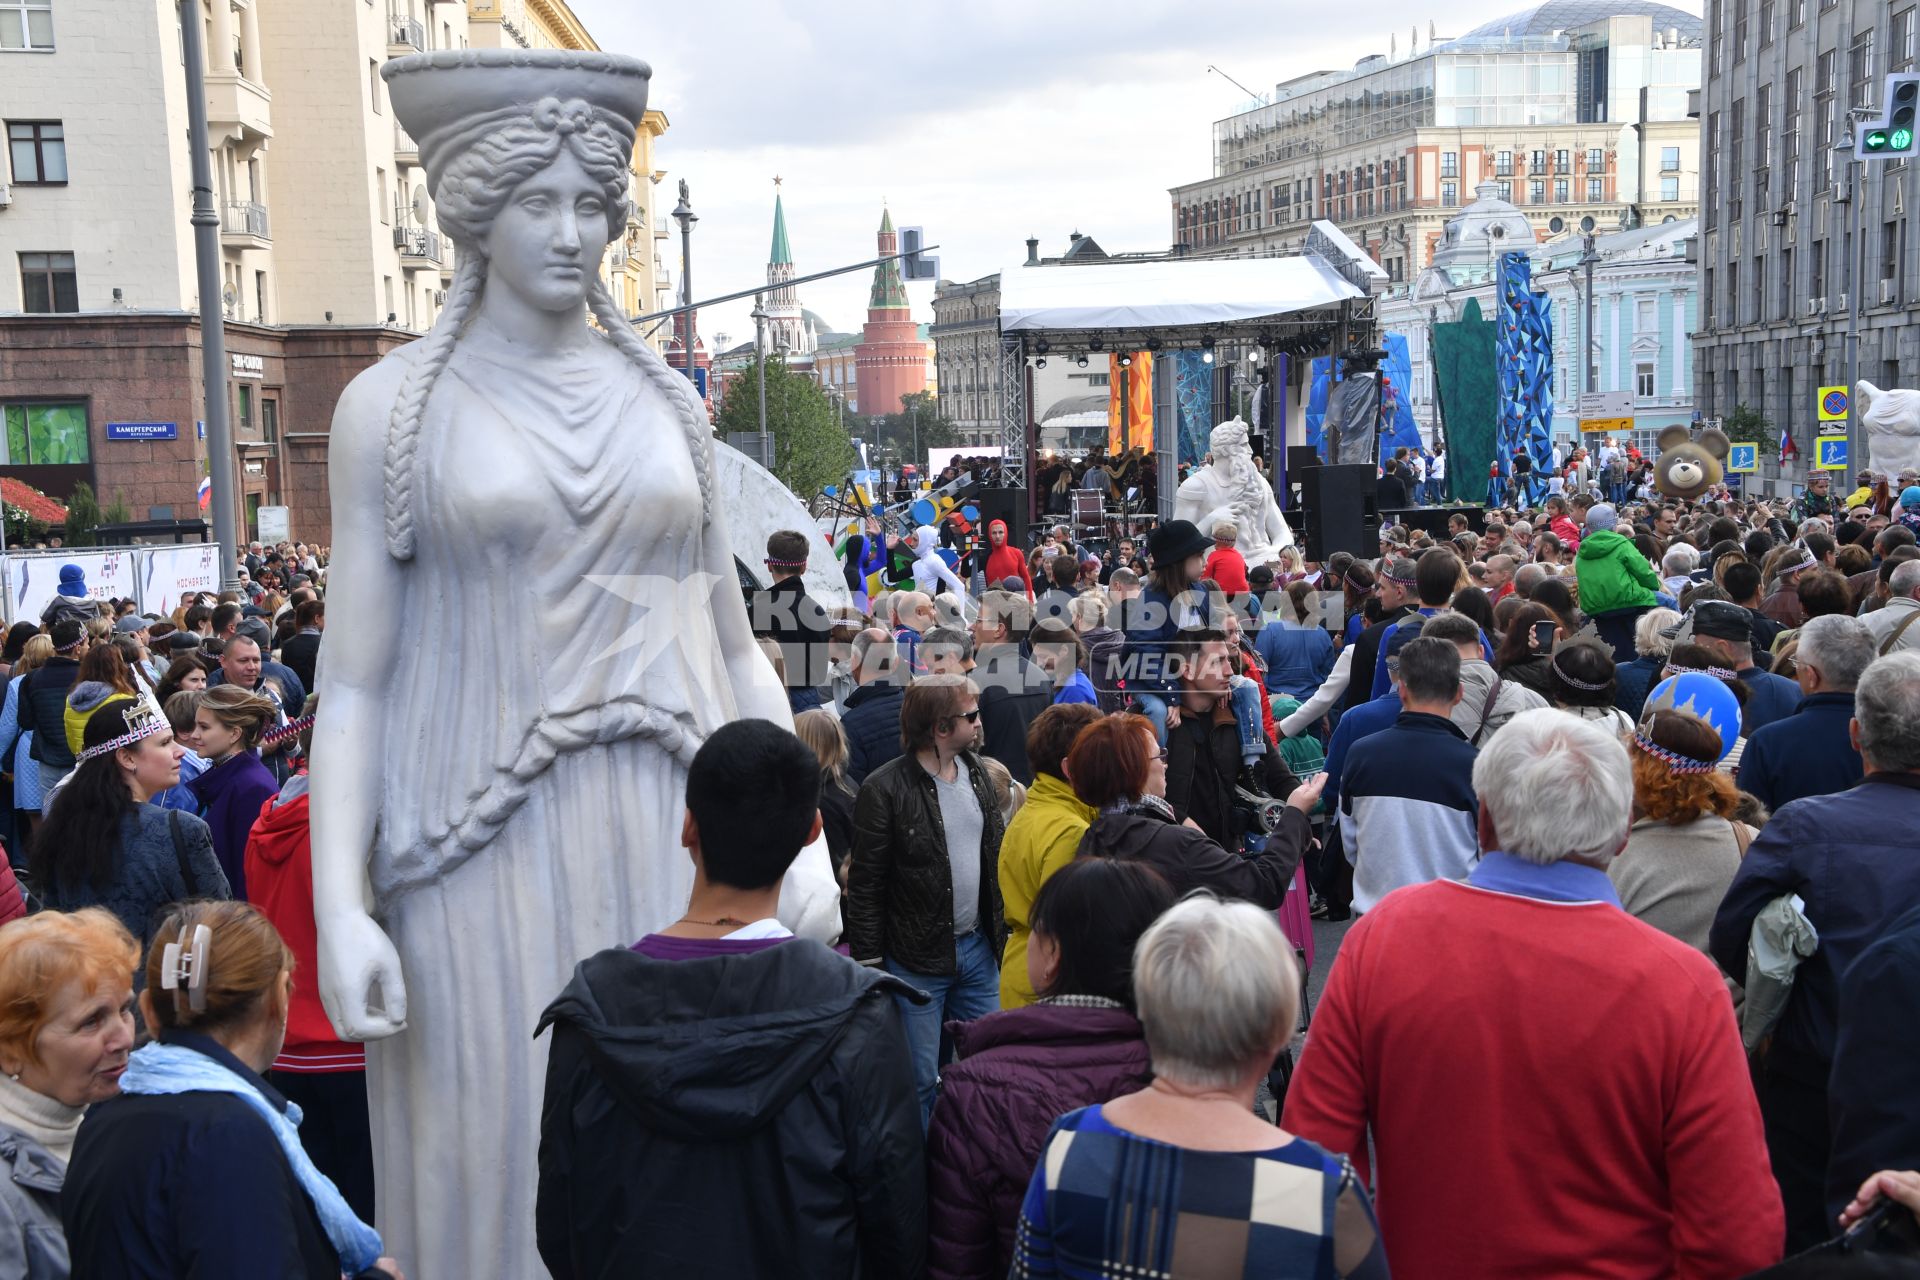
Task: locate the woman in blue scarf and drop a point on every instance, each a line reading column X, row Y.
column 197, row 1168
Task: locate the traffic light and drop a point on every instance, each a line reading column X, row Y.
column 916, row 266
column 1896, row 135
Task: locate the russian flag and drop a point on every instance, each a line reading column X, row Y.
column 206, row 492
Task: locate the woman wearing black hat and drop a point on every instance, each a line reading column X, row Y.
column 1171, row 603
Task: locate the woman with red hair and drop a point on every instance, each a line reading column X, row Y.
column 1118, row 768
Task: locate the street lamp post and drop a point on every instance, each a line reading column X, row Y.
column 684, row 215
column 213, row 338
column 760, row 356
column 1587, row 258
column 1845, row 161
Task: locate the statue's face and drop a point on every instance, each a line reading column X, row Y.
column 1234, row 455
column 546, row 244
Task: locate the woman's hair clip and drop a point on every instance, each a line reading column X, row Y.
column 186, row 968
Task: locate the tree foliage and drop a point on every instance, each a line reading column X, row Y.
column 1745, row 424
column 908, row 435
column 810, row 451
column 83, row 516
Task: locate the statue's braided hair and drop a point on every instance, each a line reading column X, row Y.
column 471, row 193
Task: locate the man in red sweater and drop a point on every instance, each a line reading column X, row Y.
column 1553, row 1087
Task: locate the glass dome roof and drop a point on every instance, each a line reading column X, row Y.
column 1564, row 15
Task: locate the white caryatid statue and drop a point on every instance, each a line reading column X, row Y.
column 1232, row 488
column 545, row 625
column 1892, row 422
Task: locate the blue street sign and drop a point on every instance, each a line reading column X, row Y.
column 699, row 379
column 143, row 431
column 1832, row 453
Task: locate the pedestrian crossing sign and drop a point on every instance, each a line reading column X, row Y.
column 1830, row 453
column 1743, row 457
column 1833, row 404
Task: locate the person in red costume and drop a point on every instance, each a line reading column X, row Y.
column 1003, row 561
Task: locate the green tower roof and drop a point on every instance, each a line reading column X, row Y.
column 782, row 254
column 888, row 289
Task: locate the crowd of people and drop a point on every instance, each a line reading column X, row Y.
column 1082, row 817
column 1665, row 749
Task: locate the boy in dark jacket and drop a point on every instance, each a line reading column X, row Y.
column 792, row 619
column 43, row 704
column 690, row 1073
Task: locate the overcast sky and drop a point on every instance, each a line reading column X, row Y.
column 983, row 122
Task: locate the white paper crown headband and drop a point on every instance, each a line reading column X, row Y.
column 145, row 725
column 186, row 968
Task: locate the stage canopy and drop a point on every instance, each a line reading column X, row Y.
column 1174, row 293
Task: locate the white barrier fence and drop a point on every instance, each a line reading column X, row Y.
column 155, row 576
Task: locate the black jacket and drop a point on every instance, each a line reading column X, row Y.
column 899, row 901
column 795, row 621
column 1873, row 1097
column 300, row 655
column 189, row 1184
column 1203, row 762
column 1366, row 655
column 1013, row 693
column 749, row 1115
column 43, row 709
column 872, row 726
column 1189, row 860
column 1390, row 492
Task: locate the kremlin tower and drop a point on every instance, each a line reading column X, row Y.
column 787, row 326
column 891, row 360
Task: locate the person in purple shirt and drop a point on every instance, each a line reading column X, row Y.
column 723, row 1098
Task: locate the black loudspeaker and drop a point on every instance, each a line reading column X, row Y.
column 1340, row 511
column 1300, row 459
column 1004, row 504
column 1434, row 520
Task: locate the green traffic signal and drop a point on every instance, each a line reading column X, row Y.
column 1877, row 140
column 1902, row 139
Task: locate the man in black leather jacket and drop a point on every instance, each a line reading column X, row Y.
column 923, row 885
column 724, row 1098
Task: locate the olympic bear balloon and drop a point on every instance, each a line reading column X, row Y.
column 1688, row 466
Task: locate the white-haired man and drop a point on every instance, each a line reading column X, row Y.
column 1530, row 1117
column 1892, row 623
column 1854, row 859
column 1809, row 753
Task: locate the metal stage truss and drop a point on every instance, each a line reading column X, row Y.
column 1338, row 318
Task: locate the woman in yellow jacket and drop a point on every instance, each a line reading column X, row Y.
column 1041, row 839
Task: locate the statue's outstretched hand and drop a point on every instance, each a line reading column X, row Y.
column 355, row 958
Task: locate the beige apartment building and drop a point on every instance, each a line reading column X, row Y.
column 1573, row 108
column 331, row 255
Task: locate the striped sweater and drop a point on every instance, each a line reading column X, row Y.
column 1407, row 808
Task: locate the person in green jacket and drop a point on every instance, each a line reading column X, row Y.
column 1042, row 838
column 1612, row 573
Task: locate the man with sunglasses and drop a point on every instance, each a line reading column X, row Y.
column 923, row 886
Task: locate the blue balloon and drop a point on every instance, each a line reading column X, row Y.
column 951, row 556
column 970, row 511
column 832, row 491
column 923, row 511
column 1705, row 696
